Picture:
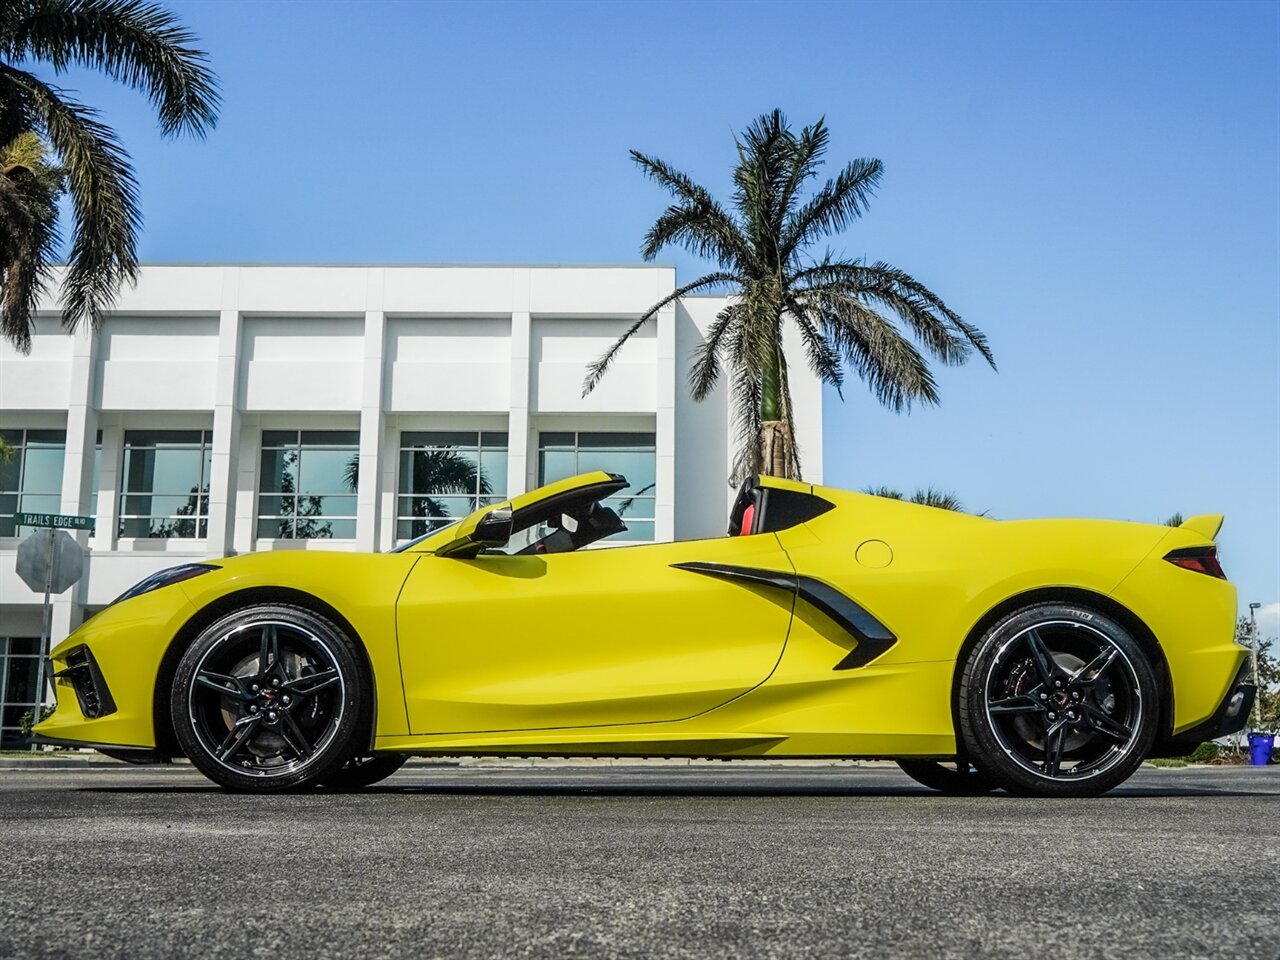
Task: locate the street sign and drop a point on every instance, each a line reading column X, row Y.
column 50, row 560
column 56, row 520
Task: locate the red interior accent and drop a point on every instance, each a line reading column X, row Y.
column 748, row 521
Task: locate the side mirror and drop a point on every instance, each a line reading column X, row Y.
column 494, row 528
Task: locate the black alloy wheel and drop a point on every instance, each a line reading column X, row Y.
column 957, row 778
column 270, row 698
column 1058, row 700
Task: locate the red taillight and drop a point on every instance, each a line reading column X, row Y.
column 748, row 521
column 1199, row 559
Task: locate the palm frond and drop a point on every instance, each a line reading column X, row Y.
column 597, row 370
column 104, row 199
column 704, row 372
column 893, row 369
column 882, row 491
column 941, row 499
column 139, row 44
column 698, row 222
column 840, row 202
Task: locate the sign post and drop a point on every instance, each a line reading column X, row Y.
column 49, row 560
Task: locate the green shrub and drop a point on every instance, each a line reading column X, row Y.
column 1205, row 753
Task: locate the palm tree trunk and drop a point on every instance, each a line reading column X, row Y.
column 777, row 446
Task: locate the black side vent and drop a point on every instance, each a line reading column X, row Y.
column 86, row 679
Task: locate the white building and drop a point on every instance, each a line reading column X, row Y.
column 223, row 409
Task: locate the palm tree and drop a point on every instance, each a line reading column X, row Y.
column 764, row 249
column 135, row 42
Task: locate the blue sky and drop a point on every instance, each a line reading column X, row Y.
column 1095, row 185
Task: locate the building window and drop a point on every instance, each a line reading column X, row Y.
column 165, row 486
column 307, row 485
column 634, row 455
column 18, row 659
column 30, row 480
column 447, row 475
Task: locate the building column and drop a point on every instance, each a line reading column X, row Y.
column 518, row 417
column 371, row 426
column 225, row 458
column 665, row 503
column 77, row 469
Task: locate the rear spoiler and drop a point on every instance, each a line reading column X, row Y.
column 1207, row 525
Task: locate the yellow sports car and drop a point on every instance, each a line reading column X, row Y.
column 1045, row 657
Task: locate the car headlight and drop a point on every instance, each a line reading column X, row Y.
column 165, row 577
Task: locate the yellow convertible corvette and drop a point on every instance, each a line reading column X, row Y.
column 1045, row 657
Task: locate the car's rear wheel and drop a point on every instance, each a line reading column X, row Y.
column 960, row 778
column 364, row 771
column 272, row 697
column 1058, row 700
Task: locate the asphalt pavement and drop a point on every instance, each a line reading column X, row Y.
column 704, row 860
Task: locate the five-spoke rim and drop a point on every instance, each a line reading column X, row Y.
column 1063, row 700
column 266, row 698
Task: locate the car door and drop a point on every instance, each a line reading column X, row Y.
column 604, row 636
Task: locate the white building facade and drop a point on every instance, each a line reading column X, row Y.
column 223, row 409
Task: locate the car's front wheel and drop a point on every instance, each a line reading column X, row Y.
column 272, row 697
column 1058, row 700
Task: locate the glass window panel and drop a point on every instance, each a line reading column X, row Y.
column 24, row 646
column 8, row 528
column 42, row 469
column 49, row 503
column 162, row 506
column 55, row 437
column 613, row 440
column 12, row 437
column 278, row 471
column 632, row 508
column 327, row 506
column 8, row 503
column 274, row 529
column 154, row 438
column 441, row 471
column 279, row 438
column 330, row 438
column 443, row 438
column 640, row 469
column 406, row 470
column 341, row 529
column 562, row 441
column 493, row 466
column 171, row 470
column 493, row 439
column 21, row 684
column 553, row 466
column 325, row 471
column 636, row 530
column 272, row 506
column 11, row 472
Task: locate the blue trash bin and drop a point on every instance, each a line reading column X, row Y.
column 1260, row 747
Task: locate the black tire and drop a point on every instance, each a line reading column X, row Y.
column 364, row 771
column 1058, row 700
column 961, row 778
column 272, row 697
